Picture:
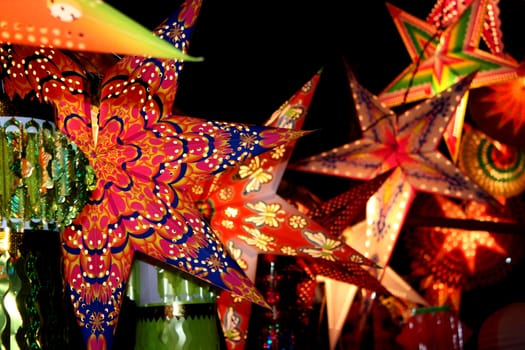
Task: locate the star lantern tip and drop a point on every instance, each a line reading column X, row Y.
column 84, row 25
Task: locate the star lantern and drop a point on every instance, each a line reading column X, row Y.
column 145, row 160
column 449, row 261
column 498, row 110
column 347, row 208
column 249, row 216
column 80, row 25
column 407, row 145
column 440, row 57
column 337, row 215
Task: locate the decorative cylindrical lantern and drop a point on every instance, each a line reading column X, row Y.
column 174, row 310
column 44, row 183
column 436, row 328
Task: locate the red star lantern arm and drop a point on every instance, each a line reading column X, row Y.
column 347, row 208
column 344, row 272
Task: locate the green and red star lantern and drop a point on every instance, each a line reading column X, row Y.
column 446, row 12
column 440, row 57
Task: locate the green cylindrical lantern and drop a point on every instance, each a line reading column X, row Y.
column 175, row 311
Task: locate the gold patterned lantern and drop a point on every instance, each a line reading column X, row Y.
column 44, row 178
column 44, row 183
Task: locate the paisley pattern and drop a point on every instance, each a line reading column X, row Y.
column 145, row 160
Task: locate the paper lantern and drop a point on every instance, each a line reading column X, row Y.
column 146, row 160
column 174, row 309
column 80, row 25
column 442, row 56
column 495, row 166
column 503, row 329
column 432, row 328
column 45, row 177
column 449, row 261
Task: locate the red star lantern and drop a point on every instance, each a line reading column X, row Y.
column 249, row 216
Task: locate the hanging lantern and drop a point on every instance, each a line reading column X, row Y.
column 44, row 178
column 44, row 182
column 452, row 260
column 497, row 167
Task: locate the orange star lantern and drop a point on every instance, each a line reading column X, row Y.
column 451, row 260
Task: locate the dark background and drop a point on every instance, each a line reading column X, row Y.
column 258, row 54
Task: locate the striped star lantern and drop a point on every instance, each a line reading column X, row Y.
column 497, row 167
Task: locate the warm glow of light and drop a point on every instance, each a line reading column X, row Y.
column 468, row 243
column 4, row 239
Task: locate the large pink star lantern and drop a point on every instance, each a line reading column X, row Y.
column 249, row 216
column 145, row 161
column 442, row 57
